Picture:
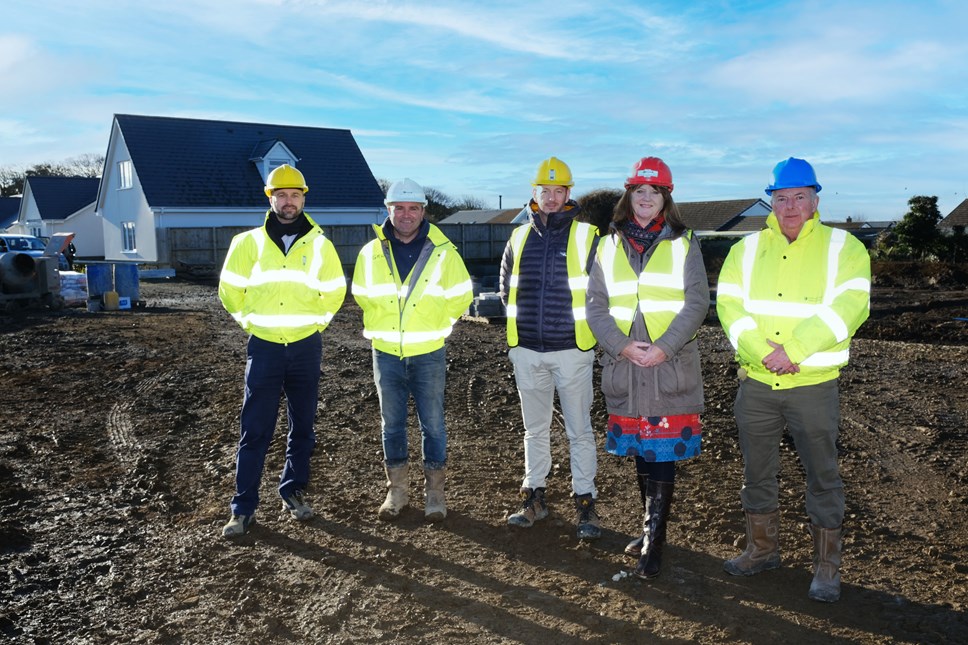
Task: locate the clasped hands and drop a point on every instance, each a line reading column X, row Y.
column 778, row 362
column 643, row 354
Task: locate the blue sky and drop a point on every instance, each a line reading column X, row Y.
column 468, row 97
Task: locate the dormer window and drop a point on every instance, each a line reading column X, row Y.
column 269, row 155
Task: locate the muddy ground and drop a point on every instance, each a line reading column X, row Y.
column 117, row 449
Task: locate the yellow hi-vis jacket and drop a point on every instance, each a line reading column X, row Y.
column 809, row 296
column 280, row 297
column 581, row 239
column 411, row 315
column 659, row 292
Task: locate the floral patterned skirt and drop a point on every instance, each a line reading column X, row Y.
column 670, row 438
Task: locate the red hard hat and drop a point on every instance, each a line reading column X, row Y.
column 650, row 170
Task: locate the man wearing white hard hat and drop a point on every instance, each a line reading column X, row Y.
column 790, row 298
column 412, row 286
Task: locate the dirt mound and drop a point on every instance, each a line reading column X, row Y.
column 116, row 466
column 919, row 275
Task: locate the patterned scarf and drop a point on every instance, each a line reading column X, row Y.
column 640, row 238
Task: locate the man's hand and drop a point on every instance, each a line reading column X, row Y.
column 778, row 362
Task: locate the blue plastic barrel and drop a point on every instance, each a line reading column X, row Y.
column 126, row 282
column 99, row 280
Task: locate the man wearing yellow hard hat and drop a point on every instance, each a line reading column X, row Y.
column 282, row 282
column 544, row 277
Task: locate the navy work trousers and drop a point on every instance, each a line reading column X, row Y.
column 273, row 369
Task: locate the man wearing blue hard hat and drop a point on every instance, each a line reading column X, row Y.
column 790, row 298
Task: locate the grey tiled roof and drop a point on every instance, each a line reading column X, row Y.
column 482, row 216
column 201, row 163
column 59, row 197
column 957, row 217
column 716, row 215
column 9, row 210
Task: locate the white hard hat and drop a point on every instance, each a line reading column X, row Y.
column 405, row 190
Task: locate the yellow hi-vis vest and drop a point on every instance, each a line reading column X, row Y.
column 659, row 292
column 410, row 315
column 809, row 295
column 581, row 237
column 282, row 298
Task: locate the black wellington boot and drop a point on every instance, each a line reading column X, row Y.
column 658, row 503
column 634, row 548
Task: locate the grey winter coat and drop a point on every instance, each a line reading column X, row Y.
column 675, row 385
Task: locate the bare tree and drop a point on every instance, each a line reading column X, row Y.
column 86, row 165
column 468, row 203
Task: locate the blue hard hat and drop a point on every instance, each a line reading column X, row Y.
column 793, row 173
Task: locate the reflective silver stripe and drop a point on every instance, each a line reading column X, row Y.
column 857, row 284
column 834, row 322
column 459, row 289
column 233, row 279
column 409, row 337
column 511, row 311
column 653, row 306
column 729, row 289
column 827, row 359
column 578, row 283
column 621, row 313
column 374, row 291
column 582, row 240
column 744, row 324
column 285, row 320
column 623, row 288
column 579, row 313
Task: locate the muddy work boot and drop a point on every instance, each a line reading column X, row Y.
column 533, row 508
column 237, row 526
column 589, row 525
column 398, row 493
column 762, row 546
column 435, row 506
column 825, row 586
column 297, row 506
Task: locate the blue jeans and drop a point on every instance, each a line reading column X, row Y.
column 272, row 369
column 396, row 380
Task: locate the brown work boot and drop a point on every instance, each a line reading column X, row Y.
column 762, row 546
column 398, row 493
column 435, row 507
column 533, row 508
column 825, row 586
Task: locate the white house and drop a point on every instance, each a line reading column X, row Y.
column 163, row 173
column 62, row 205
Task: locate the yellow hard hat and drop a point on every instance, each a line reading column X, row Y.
column 285, row 176
column 553, row 172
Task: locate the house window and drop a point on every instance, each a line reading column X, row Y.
column 128, row 242
column 125, row 174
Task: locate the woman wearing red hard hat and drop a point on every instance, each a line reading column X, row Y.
column 647, row 298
